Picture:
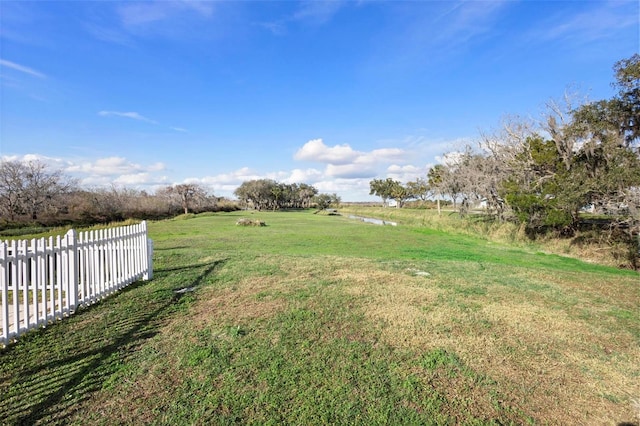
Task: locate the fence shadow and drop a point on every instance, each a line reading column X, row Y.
column 48, row 373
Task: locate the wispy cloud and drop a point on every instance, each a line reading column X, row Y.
column 139, row 117
column 174, row 19
column 131, row 115
column 314, row 13
column 460, row 23
column 110, row 35
column 602, row 20
column 278, row 28
column 144, row 13
column 21, row 68
column 423, row 34
column 317, row 12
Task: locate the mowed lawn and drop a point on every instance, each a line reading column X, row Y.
column 326, row 320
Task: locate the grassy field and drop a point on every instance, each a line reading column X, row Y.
column 325, row 320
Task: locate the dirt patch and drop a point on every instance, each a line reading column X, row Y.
column 237, row 304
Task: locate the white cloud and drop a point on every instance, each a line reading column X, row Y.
column 95, row 181
column 112, row 166
column 382, row 155
column 140, row 179
column 450, row 159
column 21, row 68
column 351, row 171
column 226, row 183
column 303, row 176
column 342, row 161
column 348, row 171
column 316, row 150
column 52, row 162
column 146, row 181
column 347, row 189
column 156, row 167
column 132, row 115
column 394, row 168
column 407, row 172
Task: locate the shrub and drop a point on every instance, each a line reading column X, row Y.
column 250, row 222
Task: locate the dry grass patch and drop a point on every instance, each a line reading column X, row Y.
column 549, row 363
column 242, row 302
column 256, row 296
column 559, row 363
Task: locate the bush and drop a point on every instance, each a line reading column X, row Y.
column 249, row 222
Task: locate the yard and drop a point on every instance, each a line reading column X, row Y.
column 325, row 320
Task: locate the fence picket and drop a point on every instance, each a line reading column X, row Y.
column 21, row 273
column 4, row 282
column 12, row 282
column 51, row 314
column 43, row 280
column 32, row 279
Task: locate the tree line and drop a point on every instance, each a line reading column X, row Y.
column 546, row 174
column 31, row 193
column 268, row 194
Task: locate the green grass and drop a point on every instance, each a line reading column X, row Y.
column 324, row 320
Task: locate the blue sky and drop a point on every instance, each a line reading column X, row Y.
column 330, row 93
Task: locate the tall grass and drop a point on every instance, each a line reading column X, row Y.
column 584, row 245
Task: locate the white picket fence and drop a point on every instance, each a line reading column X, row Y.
column 43, row 280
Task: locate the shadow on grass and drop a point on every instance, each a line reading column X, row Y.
column 170, row 248
column 47, row 374
column 186, row 267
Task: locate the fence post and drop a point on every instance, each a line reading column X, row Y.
column 149, row 274
column 146, row 244
column 72, row 253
